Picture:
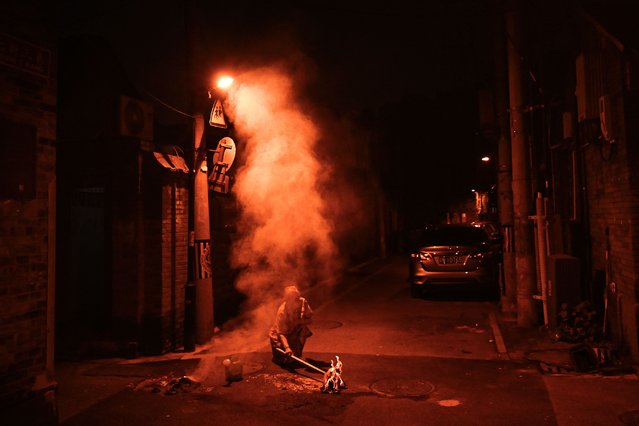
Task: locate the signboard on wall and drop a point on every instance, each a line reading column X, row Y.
column 216, row 119
column 24, row 56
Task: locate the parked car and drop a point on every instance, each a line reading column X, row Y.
column 453, row 254
column 491, row 228
column 496, row 238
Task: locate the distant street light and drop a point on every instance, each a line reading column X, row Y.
column 485, row 159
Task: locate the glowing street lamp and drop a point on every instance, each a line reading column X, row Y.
column 224, row 82
column 216, row 118
column 485, row 159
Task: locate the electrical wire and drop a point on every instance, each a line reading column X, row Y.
column 166, row 105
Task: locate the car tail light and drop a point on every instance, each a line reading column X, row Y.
column 425, row 256
column 421, row 256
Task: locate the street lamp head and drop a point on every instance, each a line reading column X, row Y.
column 485, row 159
column 224, row 82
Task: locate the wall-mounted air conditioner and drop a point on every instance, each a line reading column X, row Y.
column 135, row 118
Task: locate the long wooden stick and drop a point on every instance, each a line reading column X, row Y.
column 303, row 362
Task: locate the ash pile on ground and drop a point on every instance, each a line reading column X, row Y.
column 167, row 385
column 290, row 382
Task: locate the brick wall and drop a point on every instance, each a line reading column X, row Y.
column 150, row 249
column 175, row 201
column 613, row 207
column 27, row 98
column 164, row 257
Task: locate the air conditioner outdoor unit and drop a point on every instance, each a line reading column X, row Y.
column 135, row 118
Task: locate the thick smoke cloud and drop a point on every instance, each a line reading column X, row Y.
column 285, row 234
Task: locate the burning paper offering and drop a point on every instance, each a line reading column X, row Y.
column 333, row 382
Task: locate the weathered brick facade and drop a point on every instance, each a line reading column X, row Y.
column 166, row 260
column 147, row 213
column 611, row 181
column 123, row 216
column 27, row 217
column 583, row 121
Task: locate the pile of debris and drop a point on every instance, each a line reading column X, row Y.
column 578, row 345
column 167, row 385
column 578, row 324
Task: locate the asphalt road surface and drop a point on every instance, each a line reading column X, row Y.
column 406, row 362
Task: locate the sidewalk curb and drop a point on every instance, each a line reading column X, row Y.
column 499, row 339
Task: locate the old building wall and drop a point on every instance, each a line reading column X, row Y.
column 149, row 239
column 174, row 261
column 126, row 222
column 613, row 203
column 27, row 213
column 166, row 231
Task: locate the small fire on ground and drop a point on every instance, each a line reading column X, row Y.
column 333, row 382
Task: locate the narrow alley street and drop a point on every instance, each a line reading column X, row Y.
column 406, row 361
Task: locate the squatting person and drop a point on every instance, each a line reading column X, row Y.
column 290, row 329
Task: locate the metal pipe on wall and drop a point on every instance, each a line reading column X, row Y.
column 542, row 253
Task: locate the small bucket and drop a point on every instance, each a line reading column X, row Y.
column 232, row 369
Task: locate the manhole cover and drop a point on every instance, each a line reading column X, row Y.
column 325, row 324
column 252, row 367
column 411, row 388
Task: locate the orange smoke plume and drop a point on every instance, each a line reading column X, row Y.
column 285, row 231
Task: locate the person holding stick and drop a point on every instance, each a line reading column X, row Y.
column 290, row 329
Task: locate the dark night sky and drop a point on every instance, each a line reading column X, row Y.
column 396, row 61
column 364, row 55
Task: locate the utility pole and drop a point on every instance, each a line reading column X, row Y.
column 200, row 234
column 524, row 248
column 504, row 169
column 203, row 276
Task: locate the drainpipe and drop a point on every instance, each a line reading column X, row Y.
column 540, row 220
column 51, row 254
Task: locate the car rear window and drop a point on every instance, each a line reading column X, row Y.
column 461, row 236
